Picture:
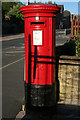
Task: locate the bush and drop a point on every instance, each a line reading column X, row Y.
column 15, row 15
column 15, row 23
column 74, row 45
column 71, row 47
column 67, row 49
column 77, row 42
column 9, row 28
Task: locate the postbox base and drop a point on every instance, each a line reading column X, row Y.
column 40, row 95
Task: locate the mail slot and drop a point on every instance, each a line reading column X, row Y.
column 40, row 54
column 37, row 23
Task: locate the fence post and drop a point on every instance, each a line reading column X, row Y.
column 78, row 26
column 72, row 26
column 75, row 27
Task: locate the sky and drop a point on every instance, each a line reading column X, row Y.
column 70, row 5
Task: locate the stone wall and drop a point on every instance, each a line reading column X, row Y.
column 69, row 79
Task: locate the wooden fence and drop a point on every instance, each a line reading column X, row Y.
column 75, row 25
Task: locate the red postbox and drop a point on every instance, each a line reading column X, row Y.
column 40, row 54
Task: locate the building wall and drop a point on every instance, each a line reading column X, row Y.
column 69, row 79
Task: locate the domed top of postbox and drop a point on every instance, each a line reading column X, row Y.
column 39, row 10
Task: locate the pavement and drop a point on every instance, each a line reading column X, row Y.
column 11, row 37
column 63, row 112
column 13, row 51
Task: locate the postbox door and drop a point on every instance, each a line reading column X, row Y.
column 39, row 45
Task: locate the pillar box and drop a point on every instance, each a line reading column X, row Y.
column 40, row 54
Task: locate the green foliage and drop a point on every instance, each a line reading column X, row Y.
column 7, row 5
column 75, row 32
column 14, row 23
column 15, row 14
column 74, row 45
column 77, row 41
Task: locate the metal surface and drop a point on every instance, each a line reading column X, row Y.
column 41, row 74
column 41, row 42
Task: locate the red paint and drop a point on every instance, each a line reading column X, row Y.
column 45, row 73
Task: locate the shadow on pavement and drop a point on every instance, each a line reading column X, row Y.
column 63, row 112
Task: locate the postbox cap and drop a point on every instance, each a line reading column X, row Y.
column 37, row 8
